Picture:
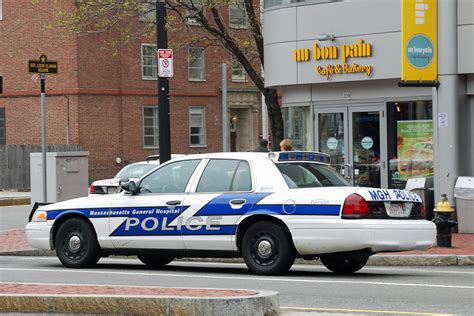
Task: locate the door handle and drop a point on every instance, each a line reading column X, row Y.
column 173, row 203
column 237, row 202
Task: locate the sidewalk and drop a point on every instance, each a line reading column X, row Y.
column 10, row 198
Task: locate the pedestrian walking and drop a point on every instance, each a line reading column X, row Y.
column 286, row 145
column 262, row 146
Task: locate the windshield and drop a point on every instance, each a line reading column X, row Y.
column 310, row 175
column 135, row 170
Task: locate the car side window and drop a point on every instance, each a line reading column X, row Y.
column 224, row 175
column 171, row 178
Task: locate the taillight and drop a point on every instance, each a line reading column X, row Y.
column 422, row 211
column 92, row 189
column 355, row 206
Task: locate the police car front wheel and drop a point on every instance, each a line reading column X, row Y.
column 76, row 244
column 155, row 261
column 267, row 249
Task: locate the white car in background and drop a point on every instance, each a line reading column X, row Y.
column 268, row 208
column 132, row 172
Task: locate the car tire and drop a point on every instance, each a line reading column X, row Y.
column 344, row 263
column 155, row 261
column 76, row 244
column 267, row 249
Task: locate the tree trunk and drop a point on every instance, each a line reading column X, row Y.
column 275, row 117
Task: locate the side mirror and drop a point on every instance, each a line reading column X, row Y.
column 128, row 186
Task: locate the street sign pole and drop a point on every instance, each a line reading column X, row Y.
column 163, row 92
column 43, row 135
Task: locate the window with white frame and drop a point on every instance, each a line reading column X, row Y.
column 149, row 71
column 196, row 63
column 2, row 127
column 197, row 126
column 238, row 72
column 1, row 10
column 190, row 13
column 237, row 14
column 150, row 127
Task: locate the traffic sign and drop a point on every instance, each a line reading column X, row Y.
column 165, row 63
column 43, row 66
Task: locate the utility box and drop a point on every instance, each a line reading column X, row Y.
column 67, row 175
column 424, row 187
column 464, row 194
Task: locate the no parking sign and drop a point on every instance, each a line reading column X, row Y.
column 165, row 63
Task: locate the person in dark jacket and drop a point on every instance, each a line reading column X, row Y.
column 262, row 146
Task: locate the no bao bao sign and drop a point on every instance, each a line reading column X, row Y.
column 165, row 63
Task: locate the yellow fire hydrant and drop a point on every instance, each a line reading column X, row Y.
column 444, row 221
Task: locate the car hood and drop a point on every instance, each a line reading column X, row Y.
column 93, row 201
column 111, row 182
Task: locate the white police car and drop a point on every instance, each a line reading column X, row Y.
column 269, row 208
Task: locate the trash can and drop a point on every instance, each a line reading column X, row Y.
column 424, row 187
column 464, row 194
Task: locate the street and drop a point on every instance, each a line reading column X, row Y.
column 307, row 288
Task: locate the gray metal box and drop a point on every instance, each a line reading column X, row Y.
column 424, row 188
column 67, row 175
column 464, row 194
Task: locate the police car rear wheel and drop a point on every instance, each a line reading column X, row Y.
column 267, row 249
column 155, row 261
column 344, row 263
column 76, row 244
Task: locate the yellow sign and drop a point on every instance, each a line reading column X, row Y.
column 419, row 41
column 346, row 52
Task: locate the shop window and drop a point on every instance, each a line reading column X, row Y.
column 197, row 126
column 2, row 127
column 410, row 141
column 149, row 62
column 297, row 120
column 196, row 63
column 150, row 127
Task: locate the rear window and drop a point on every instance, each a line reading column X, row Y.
column 310, row 175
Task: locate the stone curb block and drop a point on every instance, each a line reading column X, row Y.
column 264, row 303
column 15, row 201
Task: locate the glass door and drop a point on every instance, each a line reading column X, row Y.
column 355, row 138
column 368, row 146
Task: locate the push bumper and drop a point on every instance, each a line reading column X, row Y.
column 39, row 235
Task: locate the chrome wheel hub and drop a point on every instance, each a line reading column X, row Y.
column 264, row 248
column 74, row 243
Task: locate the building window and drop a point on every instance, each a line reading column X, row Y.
column 149, row 62
column 150, row 127
column 147, row 11
column 1, row 10
column 2, row 127
column 297, row 120
column 196, row 63
column 410, row 141
column 197, row 126
column 237, row 15
column 238, row 72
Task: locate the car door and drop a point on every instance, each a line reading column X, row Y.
column 218, row 198
column 151, row 217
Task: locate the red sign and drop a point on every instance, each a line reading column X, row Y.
column 165, row 63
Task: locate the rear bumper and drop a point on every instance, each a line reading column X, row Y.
column 373, row 235
column 39, row 234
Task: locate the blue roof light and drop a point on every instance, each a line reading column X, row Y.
column 304, row 156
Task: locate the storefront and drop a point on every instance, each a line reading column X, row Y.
column 338, row 64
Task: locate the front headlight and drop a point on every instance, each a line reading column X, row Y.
column 39, row 216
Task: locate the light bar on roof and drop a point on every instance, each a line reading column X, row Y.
column 304, row 156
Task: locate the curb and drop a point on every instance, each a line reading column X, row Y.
column 263, row 303
column 376, row 260
column 15, row 201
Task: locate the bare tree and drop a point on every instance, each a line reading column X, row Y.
column 244, row 44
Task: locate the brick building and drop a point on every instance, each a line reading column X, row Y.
column 106, row 99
